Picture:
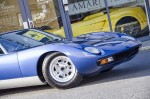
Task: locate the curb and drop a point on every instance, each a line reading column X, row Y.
column 145, row 48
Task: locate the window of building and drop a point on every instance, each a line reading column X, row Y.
column 85, row 16
column 88, row 16
column 10, row 17
column 45, row 15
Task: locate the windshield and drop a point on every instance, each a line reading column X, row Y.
column 39, row 36
column 19, row 40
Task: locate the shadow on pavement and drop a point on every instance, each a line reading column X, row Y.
column 23, row 90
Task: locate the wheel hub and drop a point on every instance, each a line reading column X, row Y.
column 62, row 69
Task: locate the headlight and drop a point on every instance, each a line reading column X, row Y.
column 92, row 50
column 128, row 37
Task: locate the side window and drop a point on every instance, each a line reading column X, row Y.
column 1, row 51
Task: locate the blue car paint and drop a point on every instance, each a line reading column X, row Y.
column 28, row 59
column 85, row 62
column 9, row 67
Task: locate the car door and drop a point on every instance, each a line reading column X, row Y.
column 9, row 67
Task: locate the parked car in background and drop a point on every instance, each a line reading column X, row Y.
column 129, row 20
column 31, row 57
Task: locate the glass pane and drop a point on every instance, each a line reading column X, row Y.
column 10, row 17
column 46, row 16
column 88, row 16
column 129, row 16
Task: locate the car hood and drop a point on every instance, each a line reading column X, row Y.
column 107, row 42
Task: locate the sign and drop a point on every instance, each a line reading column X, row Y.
column 91, row 5
column 65, row 2
column 85, row 6
column 43, row 1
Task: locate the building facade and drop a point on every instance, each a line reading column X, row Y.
column 81, row 16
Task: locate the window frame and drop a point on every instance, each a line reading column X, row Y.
column 3, row 49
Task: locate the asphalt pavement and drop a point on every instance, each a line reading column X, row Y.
column 130, row 80
column 145, row 42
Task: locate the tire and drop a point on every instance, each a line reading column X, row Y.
column 59, row 71
column 129, row 25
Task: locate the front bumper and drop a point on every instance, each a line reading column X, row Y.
column 117, row 57
column 89, row 65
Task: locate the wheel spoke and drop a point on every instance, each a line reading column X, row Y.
column 62, row 75
column 57, row 67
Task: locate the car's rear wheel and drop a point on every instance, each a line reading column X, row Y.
column 128, row 25
column 59, row 71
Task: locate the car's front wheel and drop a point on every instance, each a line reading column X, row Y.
column 59, row 71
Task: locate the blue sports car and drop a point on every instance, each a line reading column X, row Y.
column 32, row 57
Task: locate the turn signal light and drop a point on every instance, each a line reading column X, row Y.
column 106, row 60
